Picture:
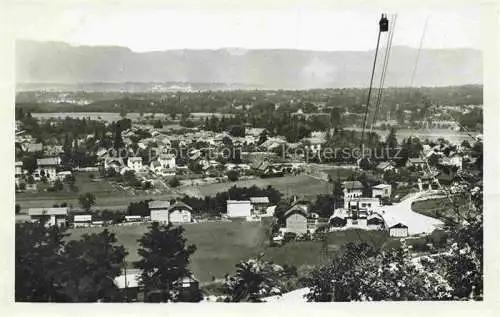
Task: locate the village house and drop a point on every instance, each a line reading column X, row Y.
column 259, row 204
column 167, row 160
column 33, row 147
column 19, row 168
column 48, row 167
column 135, row 163
column 63, row 174
column 159, row 211
column 155, row 166
column 115, row 163
column 352, row 189
column 416, row 163
column 395, row 227
column 375, row 222
column 385, row 166
column 398, row 230
column 180, row 212
column 454, row 159
column 337, row 220
column 80, row 221
column 18, row 172
column 255, row 132
column 382, row 191
column 365, row 205
column 300, row 220
column 56, row 216
column 239, row 208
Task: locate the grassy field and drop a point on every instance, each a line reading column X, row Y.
column 220, row 246
column 301, row 185
column 106, row 194
column 441, row 207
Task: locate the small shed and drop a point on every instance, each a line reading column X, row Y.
column 399, row 230
column 82, row 221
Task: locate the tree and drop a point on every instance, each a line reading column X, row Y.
column 129, row 178
column 164, row 260
column 29, row 163
column 262, row 137
column 158, row 124
column 253, row 280
column 87, row 200
column 237, row 131
column 279, row 212
column 362, row 274
column 335, row 117
column 174, row 182
column 391, row 142
column 140, row 208
column 123, row 112
column 233, row 175
column 324, row 205
column 58, row 185
column 92, row 263
column 37, row 257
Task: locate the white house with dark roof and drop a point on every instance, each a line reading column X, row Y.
column 352, row 189
column 299, row 219
column 180, row 212
column 259, row 204
column 80, row 221
column 48, row 167
column 382, row 190
column 159, row 210
column 167, row 160
column 135, row 163
column 417, row 163
column 55, row 215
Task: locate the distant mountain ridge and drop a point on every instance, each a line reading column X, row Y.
column 58, row 62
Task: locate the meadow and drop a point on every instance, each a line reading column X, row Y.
column 222, row 245
column 301, row 185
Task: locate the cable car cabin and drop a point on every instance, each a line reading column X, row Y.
column 384, row 23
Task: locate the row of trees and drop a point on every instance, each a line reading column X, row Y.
column 49, row 269
column 218, row 204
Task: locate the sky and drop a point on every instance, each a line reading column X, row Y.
column 154, row 26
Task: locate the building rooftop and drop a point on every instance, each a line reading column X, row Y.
column 381, row 186
column 238, row 202
column 259, row 200
column 352, row 185
column 135, row 159
column 48, row 161
column 159, row 204
column 56, row 211
column 82, row 218
column 180, row 204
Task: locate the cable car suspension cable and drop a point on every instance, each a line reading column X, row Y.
column 384, row 72
column 383, row 27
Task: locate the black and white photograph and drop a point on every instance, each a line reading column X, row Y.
column 252, row 153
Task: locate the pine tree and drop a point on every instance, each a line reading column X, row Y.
column 164, row 260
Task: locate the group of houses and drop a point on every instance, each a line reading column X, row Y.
column 365, row 213
column 251, row 209
column 164, row 212
column 358, row 212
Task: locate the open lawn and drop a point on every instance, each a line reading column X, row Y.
column 301, row 185
column 107, row 195
column 442, row 208
column 221, row 245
